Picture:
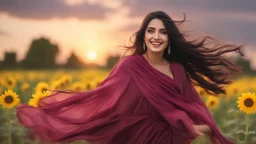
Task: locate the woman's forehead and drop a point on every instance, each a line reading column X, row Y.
column 156, row 23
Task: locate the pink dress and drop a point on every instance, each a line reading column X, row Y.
column 135, row 104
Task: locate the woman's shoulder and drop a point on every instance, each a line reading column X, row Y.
column 178, row 66
column 127, row 61
column 130, row 59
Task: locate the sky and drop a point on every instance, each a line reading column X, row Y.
column 100, row 26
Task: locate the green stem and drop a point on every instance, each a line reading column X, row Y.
column 237, row 137
column 9, row 128
column 197, row 141
column 246, row 128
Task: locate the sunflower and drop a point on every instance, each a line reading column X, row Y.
column 61, row 84
column 24, row 87
column 1, row 81
column 247, row 103
column 9, row 99
column 56, row 85
column 31, row 76
column 237, row 87
column 212, row 102
column 1, row 89
column 66, row 80
column 10, row 83
column 41, row 86
column 200, row 91
column 89, row 86
column 78, row 86
column 37, row 97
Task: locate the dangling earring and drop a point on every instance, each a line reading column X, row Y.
column 169, row 49
column 144, row 46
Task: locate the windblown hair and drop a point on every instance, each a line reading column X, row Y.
column 203, row 58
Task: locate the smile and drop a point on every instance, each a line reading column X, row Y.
column 156, row 44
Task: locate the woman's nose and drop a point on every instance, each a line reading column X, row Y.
column 156, row 35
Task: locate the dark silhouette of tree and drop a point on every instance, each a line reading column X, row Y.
column 74, row 62
column 93, row 66
column 9, row 61
column 41, row 54
column 112, row 61
column 245, row 66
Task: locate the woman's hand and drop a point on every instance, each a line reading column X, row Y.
column 200, row 130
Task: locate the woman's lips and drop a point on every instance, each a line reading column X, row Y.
column 156, row 44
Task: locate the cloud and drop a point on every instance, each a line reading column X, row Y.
column 141, row 7
column 234, row 30
column 130, row 28
column 250, row 55
column 3, row 33
column 47, row 9
column 232, row 21
column 228, row 21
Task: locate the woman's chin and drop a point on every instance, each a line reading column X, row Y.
column 158, row 50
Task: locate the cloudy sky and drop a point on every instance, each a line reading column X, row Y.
column 86, row 26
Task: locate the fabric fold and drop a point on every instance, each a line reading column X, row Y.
column 135, row 104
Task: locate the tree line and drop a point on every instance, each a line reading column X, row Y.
column 42, row 55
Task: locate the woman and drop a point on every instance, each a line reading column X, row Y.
column 148, row 97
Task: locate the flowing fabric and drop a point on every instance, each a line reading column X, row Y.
column 135, row 104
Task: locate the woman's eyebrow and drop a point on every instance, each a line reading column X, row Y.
column 155, row 28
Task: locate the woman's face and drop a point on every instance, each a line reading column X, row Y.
column 156, row 38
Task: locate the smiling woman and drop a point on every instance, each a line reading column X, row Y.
column 148, row 97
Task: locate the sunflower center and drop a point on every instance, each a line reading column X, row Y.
column 201, row 92
column 78, row 88
column 8, row 99
column 9, row 82
column 212, row 103
column 44, row 89
column 235, row 90
column 248, row 102
column 62, row 85
column 88, row 86
column 25, row 89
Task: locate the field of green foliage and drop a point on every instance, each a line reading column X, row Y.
column 17, row 87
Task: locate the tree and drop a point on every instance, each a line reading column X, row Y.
column 74, row 62
column 245, row 66
column 9, row 60
column 112, row 61
column 41, row 54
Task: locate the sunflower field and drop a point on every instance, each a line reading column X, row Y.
column 235, row 112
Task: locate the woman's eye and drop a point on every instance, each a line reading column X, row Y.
column 164, row 32
column 150, row 31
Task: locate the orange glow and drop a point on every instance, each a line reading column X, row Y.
column 91, row 55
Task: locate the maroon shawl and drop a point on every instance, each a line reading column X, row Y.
column 135, row 104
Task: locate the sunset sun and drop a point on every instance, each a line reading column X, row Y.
column 91, row 55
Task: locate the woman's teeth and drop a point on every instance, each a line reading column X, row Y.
column 156, row 44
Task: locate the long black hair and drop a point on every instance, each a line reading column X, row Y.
column 203, row 58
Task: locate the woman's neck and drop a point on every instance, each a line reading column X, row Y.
column 155, row 58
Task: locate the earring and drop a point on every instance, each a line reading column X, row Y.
column 169, row 49
column 144, row 46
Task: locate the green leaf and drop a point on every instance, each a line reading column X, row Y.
column 234, row 111
column 240, row 131
column 230, row 122
column 252, row 132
